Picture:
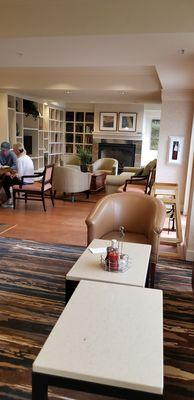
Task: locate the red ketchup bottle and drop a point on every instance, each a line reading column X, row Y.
column 112, row 257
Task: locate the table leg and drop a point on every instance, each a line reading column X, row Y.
column 39, row 388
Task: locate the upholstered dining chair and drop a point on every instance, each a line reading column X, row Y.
column 141, row 215
column 37, row 190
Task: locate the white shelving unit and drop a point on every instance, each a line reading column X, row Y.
column 43, row 137
column 56, row 135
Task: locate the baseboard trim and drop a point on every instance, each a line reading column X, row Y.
column 190, row 255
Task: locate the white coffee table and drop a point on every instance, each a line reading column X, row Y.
column 88, row 267
column 108, row 340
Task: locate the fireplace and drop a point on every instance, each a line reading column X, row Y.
column 124, row 153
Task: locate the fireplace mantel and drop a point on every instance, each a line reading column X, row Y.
column 116, row 136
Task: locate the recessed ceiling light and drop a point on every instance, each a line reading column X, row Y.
column 123, row 93
column 67, row 92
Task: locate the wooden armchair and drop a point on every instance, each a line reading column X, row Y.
column 36, row 191
column 142, row 183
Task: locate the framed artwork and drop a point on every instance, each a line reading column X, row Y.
column 176, row 144
column 155, row 131
column 127, row 122
column 108, row 121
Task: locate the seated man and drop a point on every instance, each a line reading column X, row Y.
column 8, row 158
column 25, row 165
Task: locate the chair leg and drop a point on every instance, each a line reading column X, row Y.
column 43, row 202
column 87, row 194
column 26, row 198
column 14, row 199
column 152, row 274
column 52, row 197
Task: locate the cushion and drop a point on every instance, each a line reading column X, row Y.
column 149, row 167
column 129, row 237
column 118, row 180
column 139, row 172
column 36, row 187
column 132, row 188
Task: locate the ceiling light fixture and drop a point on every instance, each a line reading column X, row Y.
column 67, row 92
column 123, row 93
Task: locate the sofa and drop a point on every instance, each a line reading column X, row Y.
column 107, row 165
column 71, row 180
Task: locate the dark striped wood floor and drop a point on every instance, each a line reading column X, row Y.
column 32, row 296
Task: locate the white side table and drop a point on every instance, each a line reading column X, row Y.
column 108, row 340
column 88, row 267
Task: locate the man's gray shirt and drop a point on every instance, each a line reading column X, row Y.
column 10, row 160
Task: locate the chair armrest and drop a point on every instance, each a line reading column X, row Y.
column 139, row 178
column 100, row 220
column 155, row 230
column 90, row 168
column 135, row 179
column 114, row 170
column 35, row 175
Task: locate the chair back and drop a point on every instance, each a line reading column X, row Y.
column 150, row 181
column 47, row 177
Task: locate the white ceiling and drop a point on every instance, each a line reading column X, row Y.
column 96, row 49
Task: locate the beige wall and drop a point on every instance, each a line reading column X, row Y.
column 176, row 120
column 189, row 235
column 136, row 108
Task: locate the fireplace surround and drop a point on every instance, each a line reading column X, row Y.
column 124, row 153
column 127, row 152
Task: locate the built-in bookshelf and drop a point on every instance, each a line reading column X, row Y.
column 79, row 126
column 56, row 135
column 43, row 137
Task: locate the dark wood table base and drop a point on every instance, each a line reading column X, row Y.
column 41, row 382
column 97, row 181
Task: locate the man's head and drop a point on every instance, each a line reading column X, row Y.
column 5, row 148
column 18, row 149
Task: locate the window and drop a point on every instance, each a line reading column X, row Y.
column 155, row 130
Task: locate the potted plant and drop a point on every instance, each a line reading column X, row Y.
column 30, row 109
column 85, row 157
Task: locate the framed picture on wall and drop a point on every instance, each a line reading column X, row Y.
column 127, row 122
column 108, row 121
column 175, row 154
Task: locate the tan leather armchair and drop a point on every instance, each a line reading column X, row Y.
column 108, row 165
column 142, row 216
column 70, row 179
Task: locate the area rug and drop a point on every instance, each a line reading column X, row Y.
column 32, row 296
